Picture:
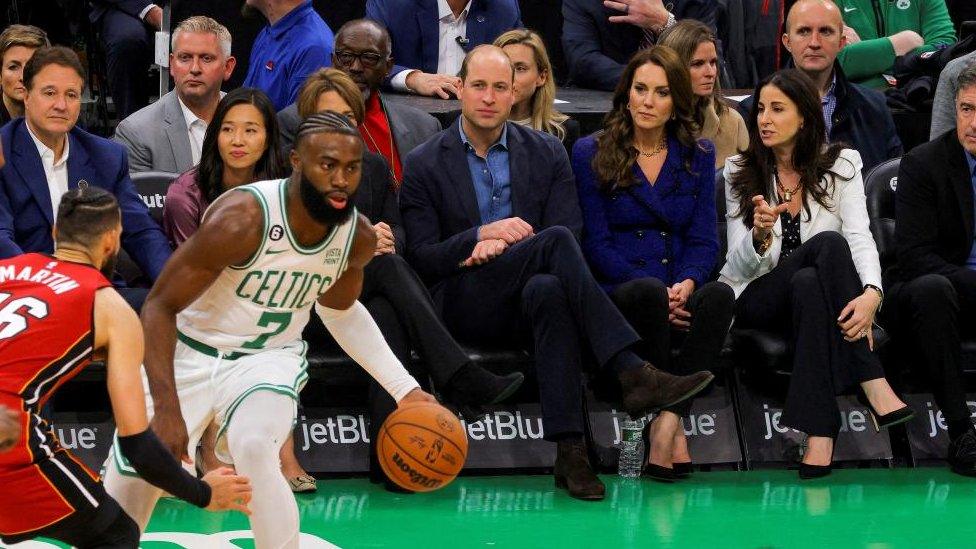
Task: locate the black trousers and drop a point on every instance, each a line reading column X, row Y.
column 129, row 48
column 543, row 287
column 644, row 303
column 802, row 297
column 402, row 308
column 931, row 313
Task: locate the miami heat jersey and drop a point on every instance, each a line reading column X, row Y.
column 46, row 338
column 265, row 303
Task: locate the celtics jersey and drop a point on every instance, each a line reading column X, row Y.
column 265, row 303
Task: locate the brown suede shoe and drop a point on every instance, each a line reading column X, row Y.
column 574, row 473
column 648, row 390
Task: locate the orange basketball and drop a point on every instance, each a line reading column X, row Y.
column 422, row 446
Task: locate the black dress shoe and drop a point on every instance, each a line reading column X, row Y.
column 475, row 386
column 682, row 469
column 808, row 471
column 648, row 389
column 901, row 415
column 574, row 473
column 658, row 473
column 962, row 454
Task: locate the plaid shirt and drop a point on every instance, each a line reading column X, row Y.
column 829, row 104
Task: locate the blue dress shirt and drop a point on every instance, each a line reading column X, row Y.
column 285, row 53
column 491, row 178
column 971, row 262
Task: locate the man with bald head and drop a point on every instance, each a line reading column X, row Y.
column 491, row 218
column 854, row 114
column 362, row 50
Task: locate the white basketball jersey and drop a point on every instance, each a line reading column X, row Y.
column 265, row 303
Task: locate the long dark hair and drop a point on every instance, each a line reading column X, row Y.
column 210, row 171
column 812, row 157
column 615, row 154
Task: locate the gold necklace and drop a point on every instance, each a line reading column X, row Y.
column 660, row 147
column 787, row 193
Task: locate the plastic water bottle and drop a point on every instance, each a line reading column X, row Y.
column 631, row 448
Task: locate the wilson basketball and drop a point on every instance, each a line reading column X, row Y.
column 422, row 446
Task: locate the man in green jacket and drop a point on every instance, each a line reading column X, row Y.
column 878, row 31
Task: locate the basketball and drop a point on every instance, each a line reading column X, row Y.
column 422, row 446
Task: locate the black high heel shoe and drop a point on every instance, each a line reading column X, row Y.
column 809, row 472
column 650, row 470
column 682, row 469
column 901, row 415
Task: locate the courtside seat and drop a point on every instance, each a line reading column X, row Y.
column 152, row 187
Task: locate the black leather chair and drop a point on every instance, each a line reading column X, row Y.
column 880, row 186
column 152, row 187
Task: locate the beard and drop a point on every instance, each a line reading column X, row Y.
column 108, row 268
column 318, row 206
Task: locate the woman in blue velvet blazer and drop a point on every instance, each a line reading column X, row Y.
column 647, row 192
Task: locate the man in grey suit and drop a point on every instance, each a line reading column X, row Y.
column 362, row 50
column 167, row 136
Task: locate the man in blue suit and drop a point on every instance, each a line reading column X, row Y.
column 47, row 155
column 491, row 218
column 600, row 36
column 431, row 38
column 126, row 29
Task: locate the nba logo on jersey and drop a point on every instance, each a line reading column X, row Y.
column 332, row 256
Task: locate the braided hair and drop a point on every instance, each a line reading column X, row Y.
column 325, row 122
column 85, row 214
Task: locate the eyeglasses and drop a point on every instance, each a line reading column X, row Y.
column 367, row 59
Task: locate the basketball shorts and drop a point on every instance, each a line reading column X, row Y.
column 211, row 385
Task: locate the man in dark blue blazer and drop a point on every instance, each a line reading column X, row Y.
column 431, row 37
column 47, row 155
column 600, row 36
column 491, row 217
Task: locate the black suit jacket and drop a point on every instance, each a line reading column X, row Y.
column 597, row 50
column 934, row 222
column 376, row 198
column 440, row 210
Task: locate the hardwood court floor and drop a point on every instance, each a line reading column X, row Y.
column 876, row 508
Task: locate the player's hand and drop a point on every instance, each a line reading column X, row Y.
column 485, row 251
column 851, row 35
column 434, row 85
column 228, row 491
column 170, row 429
column 384, row 239
column 417, row 395
column 9, row 428
column 510, row 229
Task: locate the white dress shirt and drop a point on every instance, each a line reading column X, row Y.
column 55, row 170
column 450, row 54
column 196, row 129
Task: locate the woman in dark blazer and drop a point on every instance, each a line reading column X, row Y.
column 646, row 189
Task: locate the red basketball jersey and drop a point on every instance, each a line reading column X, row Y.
column 46, row 338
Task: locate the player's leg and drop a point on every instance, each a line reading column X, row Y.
column 195, row 392
column 255, row 432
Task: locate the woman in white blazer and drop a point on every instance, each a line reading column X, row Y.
column 802, row 261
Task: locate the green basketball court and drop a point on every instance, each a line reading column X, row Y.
column 872, row 508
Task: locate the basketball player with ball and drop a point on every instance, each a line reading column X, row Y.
column 223, row 323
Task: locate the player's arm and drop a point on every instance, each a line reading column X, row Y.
column 117, row 329
column 229, row 235
column 355, row 330
column 9, row 422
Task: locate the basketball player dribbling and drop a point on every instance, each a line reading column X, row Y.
column 223, row 322
column 55, row 312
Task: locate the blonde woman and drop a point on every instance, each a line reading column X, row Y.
column 535, row 89
column 722, row 125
